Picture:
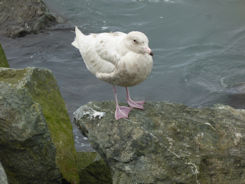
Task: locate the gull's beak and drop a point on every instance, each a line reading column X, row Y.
column 149, row 51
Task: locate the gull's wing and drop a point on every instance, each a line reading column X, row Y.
column 98, row 57
column 106, row 46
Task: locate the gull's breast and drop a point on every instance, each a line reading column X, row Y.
column 134, row 69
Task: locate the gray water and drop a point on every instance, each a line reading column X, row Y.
column 198, row 45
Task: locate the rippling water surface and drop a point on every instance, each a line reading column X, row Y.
column 199, row 49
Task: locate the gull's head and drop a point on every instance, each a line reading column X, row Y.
column 138, row 42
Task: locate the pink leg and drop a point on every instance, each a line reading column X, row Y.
column 121, row 111
column 134, row 104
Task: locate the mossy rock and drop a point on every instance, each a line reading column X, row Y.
column 3, row 59
column 27, row 152
column 41, row 86
column 84, row 159
column 93, row 170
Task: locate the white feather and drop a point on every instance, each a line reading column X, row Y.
column 79, row 34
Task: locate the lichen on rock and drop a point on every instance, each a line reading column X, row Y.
column 88, row 112
column 47, row 137
column 169, row 143
column 3, row 59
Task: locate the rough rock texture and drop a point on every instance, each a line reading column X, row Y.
column 3, row 60
column 235, row 95
column 36, row 140
column 96, row 173
column 168, row 143
column 93, row 169
column 20, row 17
column 26, row 150
column 3, row 177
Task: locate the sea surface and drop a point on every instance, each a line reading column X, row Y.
column 198, row 45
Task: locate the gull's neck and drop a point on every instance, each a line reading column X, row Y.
column 122, row 47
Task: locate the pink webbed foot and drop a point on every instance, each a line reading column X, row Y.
column 122, row 112
column 136, row 104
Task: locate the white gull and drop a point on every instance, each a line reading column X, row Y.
column 117, row 58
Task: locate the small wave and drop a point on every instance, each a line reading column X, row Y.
column 238, row 37
column 104, row 28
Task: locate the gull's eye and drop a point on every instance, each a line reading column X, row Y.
column 135, row 41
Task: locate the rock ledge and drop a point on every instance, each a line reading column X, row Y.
column 168, row 143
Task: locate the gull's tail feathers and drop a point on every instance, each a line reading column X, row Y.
column 79, row 35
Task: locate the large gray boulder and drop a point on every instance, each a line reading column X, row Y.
column 26, row 149
column 3, row 177
column 21, row 17
column 36, row 139
column 168, row 143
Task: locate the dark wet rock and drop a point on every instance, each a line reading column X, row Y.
column 36, row 140
column 237, row 89
column 168, row 143
column 235, row 95
column 3, row 59
column 3, row 177
column 94, row 170
column 21, row 17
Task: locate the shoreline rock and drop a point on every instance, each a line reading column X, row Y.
column 36, row 139
column 93, row 170
column 3, row 177
column 168, row 143
column 26, row 150
column 19, row 18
